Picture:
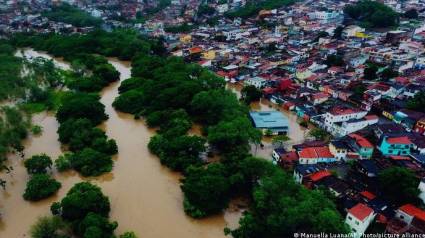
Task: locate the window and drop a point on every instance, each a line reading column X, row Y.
column 390, row 151
column 350, row 218
column 357, row 222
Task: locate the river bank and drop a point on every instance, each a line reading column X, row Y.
column 145, row 196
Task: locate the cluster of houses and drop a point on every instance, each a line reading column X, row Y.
column 310, row 60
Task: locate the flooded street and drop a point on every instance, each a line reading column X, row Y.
column 145, row 196
column 297, row 134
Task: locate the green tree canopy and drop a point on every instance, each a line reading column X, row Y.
column 250, row 94
column 90, row 162
column 52, row 227
column 82, row 105
column 236, row 133
column 417, row 102
column 399, row 185
column 38, row 164
column 206, row 190
column 372, row 13
column 82, row 199
column 40, row 186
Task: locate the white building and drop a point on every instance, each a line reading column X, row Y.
column 351, row 31
column 340, row 121
column 323, row 15
column 422, row 189
column 359, row 218
column 258, row 82
column 351, row 126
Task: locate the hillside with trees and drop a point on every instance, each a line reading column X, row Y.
column 252, row 8
column 372, row 14
column 72, row 15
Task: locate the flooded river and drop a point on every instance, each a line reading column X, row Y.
column 145, row 196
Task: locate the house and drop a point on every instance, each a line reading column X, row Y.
column 314, row 155
column 341, row 114
column 257, row 82
column 359, row 218
column 395, row 145
column 361, row 146
column 420, row 126
column 367, row 167
column 341, row 121
column 272, row 122
column 351, row 31
column 408, row 219
column 421, row 188
column 408, row 118
column 339, row 149
column 338, row 187
column 303, row 73
column 284, row 159
column 302, row 171
column 318, row 98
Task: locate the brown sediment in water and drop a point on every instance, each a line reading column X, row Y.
column 297, row 133
column 145, row 196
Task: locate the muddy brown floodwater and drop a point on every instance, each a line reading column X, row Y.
column 145, row 196
column 296, row 133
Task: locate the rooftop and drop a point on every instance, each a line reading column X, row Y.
column 413, row 211
column 315, row 152
column 360, row 211
column 269, row 119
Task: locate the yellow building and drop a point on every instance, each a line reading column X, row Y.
column 209, row 55
column 303, row 74
column 185, row 39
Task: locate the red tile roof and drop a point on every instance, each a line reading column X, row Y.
column 399, row 140
column 319, row 175
column 343, row 111
column 368, row 195
column 371, row 117
column 315, row 153
column 363, row 142
column 320, row 95
column 413, row 211
column 398, row 157
column 360, row 211
column 195, row 50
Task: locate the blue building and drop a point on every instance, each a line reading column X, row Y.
column 399, row 145
column 270, row 122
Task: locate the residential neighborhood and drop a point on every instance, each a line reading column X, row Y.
column 340, row 103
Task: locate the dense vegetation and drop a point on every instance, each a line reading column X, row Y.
column 78, row 116
column 34, row 87
column 399, row 185
column 251, row 94
column 183, row 28
column 124, row 44
column 83, row 212
column 13, row 129
column 72, row 15
column 253, row 7
column 417, row 103
column 80, row 111
column 40, row 186
column 372, row 14
column 171, row 95
column 38, row 164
